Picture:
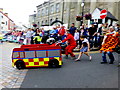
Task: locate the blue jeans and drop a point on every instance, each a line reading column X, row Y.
column 111, row 57
column 91, row 41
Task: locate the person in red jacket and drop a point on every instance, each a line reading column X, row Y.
column 71, row 45
column 61, row 32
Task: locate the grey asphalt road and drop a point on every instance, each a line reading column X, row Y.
column 81, row 74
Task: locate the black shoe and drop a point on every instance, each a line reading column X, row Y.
column 103, row 62
column 110, row 62
column 66, row 57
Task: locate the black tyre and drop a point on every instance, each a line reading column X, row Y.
column 20, row 65
column 54, row 63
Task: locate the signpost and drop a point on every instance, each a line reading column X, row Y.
column 103, row 13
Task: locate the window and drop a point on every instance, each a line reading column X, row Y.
column 42, row 12
column 41, row 53
column 46, row 10
column 50, row 21
column 46, row 22
column 72, row 5
column 15, row 55
column 2, row 22
column 65, row 5
column 42, row 22
column 29, row 54
column 38, row 13
column 53, row 53
column 6, row 22
column 57, row 7
column 38, row 24
column 52, row 9
column 21, row 54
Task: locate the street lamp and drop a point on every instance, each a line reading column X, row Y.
column 82, row 5
column 48, row 12
column 34, row 16
column 62, row 10
column 34, row 25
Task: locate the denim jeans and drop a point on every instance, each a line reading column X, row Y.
column 91, row 41
column 97, row 41
column 111, row 57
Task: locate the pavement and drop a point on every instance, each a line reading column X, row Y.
column 82, row 74
column 10, row 77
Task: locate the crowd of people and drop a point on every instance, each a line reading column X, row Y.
column 84, row 38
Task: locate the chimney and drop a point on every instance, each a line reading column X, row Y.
column 6, row 14
column 1, row 9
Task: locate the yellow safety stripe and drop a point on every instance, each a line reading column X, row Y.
column 26, row 60
column 60, row 62
column 57, row 58
column 41, row 63
column 36, row 59
column 46, row 59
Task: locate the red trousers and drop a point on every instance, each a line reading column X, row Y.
column 69, row 49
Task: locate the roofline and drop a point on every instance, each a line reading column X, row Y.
column 6, row 16
column 43, row 3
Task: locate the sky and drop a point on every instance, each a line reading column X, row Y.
column 19, row 10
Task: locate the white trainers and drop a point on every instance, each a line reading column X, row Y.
column 90, row 58
column 77, row 60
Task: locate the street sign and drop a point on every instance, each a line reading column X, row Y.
column 103, row 13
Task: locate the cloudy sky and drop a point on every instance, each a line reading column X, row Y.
column 19, row 10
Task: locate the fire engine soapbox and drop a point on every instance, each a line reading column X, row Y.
column 36, row 55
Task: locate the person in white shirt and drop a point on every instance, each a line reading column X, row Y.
column 84, row 48
column 76, row 37
column 29, row 35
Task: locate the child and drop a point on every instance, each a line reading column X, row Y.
column 84, row 48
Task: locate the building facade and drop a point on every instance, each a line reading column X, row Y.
column 32, row 20
column 67, row 10
column 5, row 22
